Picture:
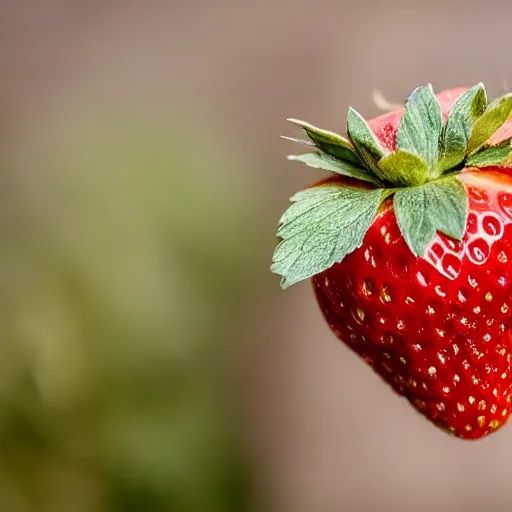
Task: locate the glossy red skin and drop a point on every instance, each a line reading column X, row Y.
column 438, row 328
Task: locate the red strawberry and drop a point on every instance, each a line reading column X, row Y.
column 410, row 251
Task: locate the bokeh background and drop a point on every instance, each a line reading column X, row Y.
column 148, row 360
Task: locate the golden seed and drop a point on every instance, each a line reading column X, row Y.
column 481, row 421
column 471, row 400
column 504, row 412
column 504, row 308
column 460, row 407
column 488, row 297
column 388, row 340
column 420, row 404
column 476, row 310
column 494, row 424
column 367, row 288
column 385, row 295
column 402, row 360
column 468, row 427
column 495, row 392
column 482, row 405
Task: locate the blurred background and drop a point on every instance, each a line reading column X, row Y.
column 148, row 359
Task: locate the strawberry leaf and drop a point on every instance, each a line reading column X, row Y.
column 499, row 156
column 404, row 169
column 367, row 145
column 486, row 125
column 421, row 126
column 298, row 141
column 322, row 226
column 329, row 142
column 435, row 206
column 324, row 161
column 457, row 131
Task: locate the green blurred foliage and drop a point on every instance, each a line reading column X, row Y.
column 127, row 250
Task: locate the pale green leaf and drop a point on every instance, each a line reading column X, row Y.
column 329, row 142
column 298, row 141
column 324, row 161
column 499, row 156
column 366, row 143
column 450, row 206
column 321, row 227
column 421, row 125
column 457, row 131
column 435, row 206
column 404, row 169
column 486, row 125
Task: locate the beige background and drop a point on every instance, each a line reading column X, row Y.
column 320, row 431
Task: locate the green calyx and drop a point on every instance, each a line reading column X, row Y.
column 326, row 223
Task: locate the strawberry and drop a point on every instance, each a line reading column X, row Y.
column 409, row 247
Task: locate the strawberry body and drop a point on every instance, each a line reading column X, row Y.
column 409, row 249
column 436, row 328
